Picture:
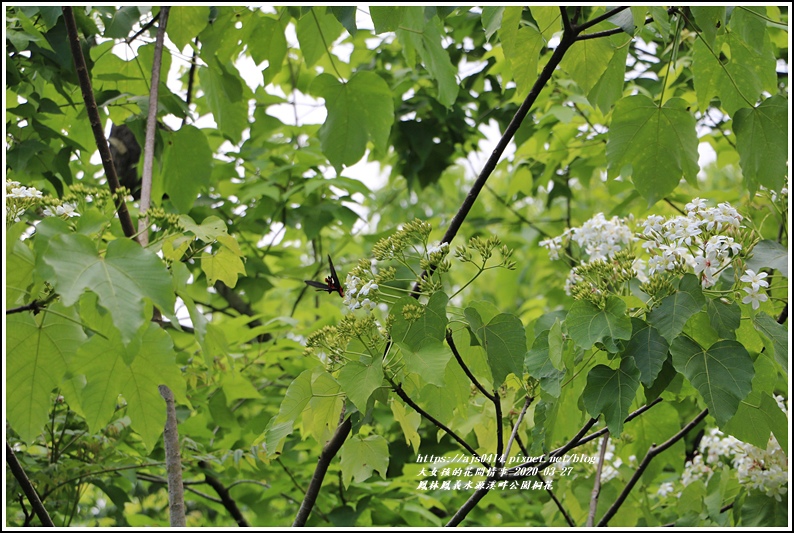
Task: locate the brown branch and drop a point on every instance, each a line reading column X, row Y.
column 151, row 128
column 652, row 452
column 597, row 483
column 96, row 122
column 191, row 75
column 226, row 499
column 465, row 368
column 568, row 38
column 34, row 306
column 27, row 487
column 173, row 461
column 143, row 28
column 329, row 452
column 407, row 399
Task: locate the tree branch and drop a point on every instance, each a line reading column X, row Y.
column 27, row 487
column 465, row 368
column 95, row 121
column 173, row 461
column 226, row 499
column 597, row 482
column 151, row 128
column 653, row 451
column 329, row 452
column 407, row 399
column 568, row 38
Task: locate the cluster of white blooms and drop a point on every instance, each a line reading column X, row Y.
column 692, row 240
column 19, row 198
column 762, row 469
column 360, row 294
column 754, row 294
column 598, row 237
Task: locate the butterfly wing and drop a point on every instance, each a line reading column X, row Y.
column 335, row 285
column 318, row 285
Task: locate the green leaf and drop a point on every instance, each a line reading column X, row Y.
column 777, row 334
column 316, row 31
column 538, row 364
column 296, row 398
column 360, row 457
column 523, row 57
column 722, row 374
column 120, row 24
column 725, row 318
column 223, row 91
column 548, row 18
column 187, row 166
column 39, row 350
column 610, row 392
column 122, row 278
column 386, row 18
column 430, row 327
column 504, row 340
column 648, row 349
column 236, row 387
column 556, row 345
column 762, row 142
column 267, row 43
column 103, row 363
column 658, row 143
column 587, row 61
column 587, row 324
column 760, row 510
column 19, row 265
column 321, row 418
column 710, row 19
column 757, row 417
column 428, row 360
column 358, row 110
column 359, row 381
column 185, row 22
column 409, row 423
column 210, row 229
column 491, row 20
column 425, row 37
column 346, row 15
column 609, row 87
column 769, row 254
column 224, row 265
column 740, row 82
column 674, row 310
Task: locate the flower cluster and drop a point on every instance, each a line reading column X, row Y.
column 705, row 240
column 762, row 469
column 598, row 237
column 20, row 198
column 694, row 240
column 358, row 292
column 330, row 344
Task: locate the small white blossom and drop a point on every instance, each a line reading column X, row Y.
column 754, row 297
column 755, row 280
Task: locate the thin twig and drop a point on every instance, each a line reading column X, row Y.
column 151, row 128
column 96, row 122
column 653, row 451
column 567, row 40
column 527, row 403
column 597, row 482
column 465, row 368
column 27, row 487
column 329, row 452
column 407, row 399
column 173, row 461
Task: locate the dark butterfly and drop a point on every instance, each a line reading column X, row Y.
column 331, row 282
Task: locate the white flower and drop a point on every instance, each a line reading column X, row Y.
column 754, row 297
column 755, row 280
column 438, row 247
column 665, row 489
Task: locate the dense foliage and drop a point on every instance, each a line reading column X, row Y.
column 586, row 326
